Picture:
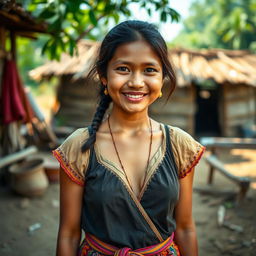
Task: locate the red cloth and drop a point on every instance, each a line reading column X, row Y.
column 15, row 105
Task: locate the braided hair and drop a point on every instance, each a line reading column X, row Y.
column 125, row 32
column 97, row 119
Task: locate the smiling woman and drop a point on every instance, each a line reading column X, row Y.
column 126, row 180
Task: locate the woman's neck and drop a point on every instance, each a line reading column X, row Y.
column 127, row 122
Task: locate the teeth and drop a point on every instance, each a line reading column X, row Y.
column 134, row 96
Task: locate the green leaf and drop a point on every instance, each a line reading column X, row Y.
column 93, row 18
column 45, row 46
column 53, row 53
column 72, row 46
column 109, row 8
column 163, row 16
column 46, row 14
column 175, row 16
column 116, row 17
column 56, row 25
column 73, row 6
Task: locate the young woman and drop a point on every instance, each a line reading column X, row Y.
column 126, row 180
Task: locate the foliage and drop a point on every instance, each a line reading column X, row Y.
column 71, row 20
column 220, row 24
column 29, row 56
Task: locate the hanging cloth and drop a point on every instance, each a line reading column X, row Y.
column 14, row 103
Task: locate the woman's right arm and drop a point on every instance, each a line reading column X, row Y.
column 69, row 234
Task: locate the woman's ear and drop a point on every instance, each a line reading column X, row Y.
column 103, row 81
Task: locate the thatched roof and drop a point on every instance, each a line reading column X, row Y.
column 223, row 66
column 15, row 18
column 79, row 65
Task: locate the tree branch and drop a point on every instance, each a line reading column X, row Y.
column 90, row 27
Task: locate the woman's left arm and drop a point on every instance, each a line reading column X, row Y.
column 185, row 234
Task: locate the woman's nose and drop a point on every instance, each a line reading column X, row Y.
column 136, row 80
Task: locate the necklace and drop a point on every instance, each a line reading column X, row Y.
column 119, row 159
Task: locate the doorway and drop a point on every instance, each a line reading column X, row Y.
column 207, row 114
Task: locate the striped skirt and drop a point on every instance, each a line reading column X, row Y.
column 92, row 246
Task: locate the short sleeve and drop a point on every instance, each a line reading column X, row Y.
column 186, row 150
column 71, row 158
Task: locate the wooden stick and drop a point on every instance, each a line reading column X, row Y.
column 17, row 156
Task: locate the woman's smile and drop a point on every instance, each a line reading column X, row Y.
column 134, row 96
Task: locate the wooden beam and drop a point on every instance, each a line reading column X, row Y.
column 30, row 35
column 13, row 22
column 12, row 158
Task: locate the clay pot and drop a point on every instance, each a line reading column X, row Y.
column 52, row 173
column 29, row 178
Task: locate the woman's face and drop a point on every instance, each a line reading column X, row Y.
column 134, row 77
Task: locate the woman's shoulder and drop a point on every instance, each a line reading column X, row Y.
column 70, row 156
column 77, row 137
column 186, row 150
column 179, row 136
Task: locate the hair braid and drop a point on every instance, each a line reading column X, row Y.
column 97, row 119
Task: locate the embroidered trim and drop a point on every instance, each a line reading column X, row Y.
column 58, row 154
column 110, row 166
column 195, row 160
column 92, row 246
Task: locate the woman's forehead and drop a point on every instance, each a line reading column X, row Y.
column 136, row 51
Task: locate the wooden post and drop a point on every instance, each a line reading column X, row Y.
column 254, row 89
column 225, row 109
column 2, row 53
column 13, row 44
column 2, row 38
column 211, row 170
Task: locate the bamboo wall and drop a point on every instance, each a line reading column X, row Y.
column 239, row 108
column 77, row 101
column 178, row 111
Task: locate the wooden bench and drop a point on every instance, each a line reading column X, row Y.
column 215, row 143
column 242, row 182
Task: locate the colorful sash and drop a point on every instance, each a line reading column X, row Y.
column 107, row 249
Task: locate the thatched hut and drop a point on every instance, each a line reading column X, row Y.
column 216, row 90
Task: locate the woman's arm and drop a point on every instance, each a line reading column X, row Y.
column 185, row 234
column 70, row 216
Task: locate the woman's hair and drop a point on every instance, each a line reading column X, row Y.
column 126, row 32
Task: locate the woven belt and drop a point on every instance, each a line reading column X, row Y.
column 107, row 249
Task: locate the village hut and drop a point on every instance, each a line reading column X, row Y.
column 15, row 107
column 215, row 94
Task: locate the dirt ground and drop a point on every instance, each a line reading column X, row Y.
column 18, row 214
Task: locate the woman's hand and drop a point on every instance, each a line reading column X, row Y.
column 185, row 234
column 71, row 196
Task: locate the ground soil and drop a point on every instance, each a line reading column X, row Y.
column 17, row 214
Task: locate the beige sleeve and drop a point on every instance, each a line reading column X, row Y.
column 70, row 157
column 187, row 151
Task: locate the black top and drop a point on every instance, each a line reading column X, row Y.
column 113, row 214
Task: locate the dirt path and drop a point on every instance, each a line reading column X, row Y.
column 18, row 214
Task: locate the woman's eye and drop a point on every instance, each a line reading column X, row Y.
column 150, row 70
column 123, row 69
